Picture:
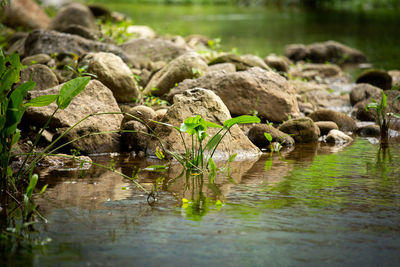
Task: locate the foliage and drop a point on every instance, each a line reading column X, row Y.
column 116, row 31
column 77, row 70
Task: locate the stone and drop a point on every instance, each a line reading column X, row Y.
column 50, row 42
column 375, row 77
column 16, row 43
column 113, row 73
column 303, row 130
column 36, row 59
column 255, row 89
column 141, row 31
column 338, row 137
column 363, row 91
column 143, row 113
column 280, row 64
column 317, row 72
column 25, row 13
column 371, row 130
column 99, row 11
column 344, row 122
column 81, row 31
column 256, row 135
column 134, row 136
column 187, row 66
column 241, row 63
column 210, row 107
column 395, row 74
column 41, row 74
column 96, row 98
column 73, row 14
column 326, row 126
column 227, row 67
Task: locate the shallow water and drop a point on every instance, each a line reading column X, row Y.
column 312, row 206
column 264, row 30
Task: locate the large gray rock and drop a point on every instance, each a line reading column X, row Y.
column 41, row 74
column 134, row 136
column 278, row 63
column 96, row 98
column 256, row 135
column 49, row 42
column 255, row 89
column 113, row 73
column 344, row 122
column 327, row 51
column 74, row 14
column 187, row 66
column 362, row 92
column 211, row 108
column 303, row 130
column 26, row 14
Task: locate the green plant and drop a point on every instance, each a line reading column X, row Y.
column 77, row 70
column 117, row 31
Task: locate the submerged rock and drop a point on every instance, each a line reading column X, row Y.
column 134, row 136
column 326, row 126
column 338, row 137
column 303, row 130
column 256, row 135
column 378, row 78
column 344, row 122
column 371, row 130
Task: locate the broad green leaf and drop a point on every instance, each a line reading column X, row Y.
column 41, row 101
column 10, row 77
column 268, row 136
column 32, row 184
column 213, row 142
column 211, row 124
column 15, row 62
column 71, row 89
column 192, row 120
column 241, row 119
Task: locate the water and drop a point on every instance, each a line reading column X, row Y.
column 263, row 30
column 312, row 206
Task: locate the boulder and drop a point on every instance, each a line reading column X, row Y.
column 96, row 98
column 73, row 14
column 227, row 67
column 338, row 137
column 134, row 136
column 41, row 74
column 81, row 31
column 363, row 91
column 25, row 13
column 141, row 31
column 344, row 122
column 303, row 130
column 255, row 89
column 316, row 72
column 16, row 43
column 370, row 130
column 187, row 66
column 280, row 64
column 330, row 51
column 49, row 42
column 113, row 73
column 395, row 74
column 210, row 107
column 143, row 51
column 36, row 59
column 241, row 63
column 378, row 78
column 141, row 112
column 256, row 135
column 326, row 126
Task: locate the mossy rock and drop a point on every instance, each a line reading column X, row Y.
column 376, row 77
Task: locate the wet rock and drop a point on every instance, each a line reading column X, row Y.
column 64, row 161
column 95, row 98
column 326, row 126
column 255, row 89
column 141, row 112
column 303, row 130
column 378, row 78
column 344, row 122
column 134, row 136
column 25, row 13
column 207, row 104
column 371, row 130
column 330, row 51
column 338, row 137
column 280, row 64
column 227, row 67
column 317, row 72
column 141, row 31
column 41, row 74
column 50, row 42
column 241, row 63
column 36, row 59
column 113, row 73
column 256, row 135
column 73, row 14
column 362, row 92
column 143, row 51
column 187, row 66
column 395, row 74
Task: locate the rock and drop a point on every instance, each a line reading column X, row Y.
column 141, row 31
column 144, row 113
column 99, row 11
column 371, row 130
column 71, row 15
column 143, row 51
column 227, row 67
column 338, row 137
column 210, row 107
column 256, row 135
column 161, row 112
column 113, row 73
column 344, row 122
column 363, row 91
column 187, row 66
column 81, row 31
column 17, row 43
column 95, row 98
column 26, row 14
column 280, row 64
column 303, row 130
column 330, row 51
column 395, row 74
column 255, row 89
column 49, row 42
column 36, row 59
column 254, row 61
column 241, row 63
column 134, row 141
column 41, row 74
column 316, row 72
column 306, row 108
column 378, row 78
column 201, row 42
column 326, row 126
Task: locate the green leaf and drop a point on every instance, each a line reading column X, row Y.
column 384, row 100
column 32, row 184
column 213, row 169
column 268, row 136
column 396, row 99
column 14, row 60
column 43, row 189
column 213, row 142
column 2, row 121
column 156, row 168
column 396, row 116
column 16, row 137
column 232, row 158
column 241, row 119
column 2, row 63
column 71, row 89
column 211, row 124
column 10, row 77
column 373, row 105
column 268, row 164
column 41, row 101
